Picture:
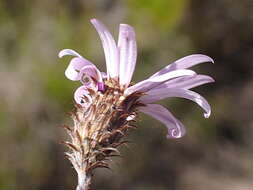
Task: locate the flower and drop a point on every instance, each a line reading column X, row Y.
column 107, row 104
column 174, row 80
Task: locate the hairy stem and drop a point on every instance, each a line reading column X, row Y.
column 84, row 181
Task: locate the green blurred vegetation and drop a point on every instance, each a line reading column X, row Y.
column 162, row 14
column 35, row 95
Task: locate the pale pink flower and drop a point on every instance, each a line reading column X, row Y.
column 107, row 103
column 174, row 80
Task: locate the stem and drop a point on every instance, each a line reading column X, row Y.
column 84, row 181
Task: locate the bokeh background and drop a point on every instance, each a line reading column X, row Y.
column 216, row 153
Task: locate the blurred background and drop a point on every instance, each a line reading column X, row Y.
column 35, row 96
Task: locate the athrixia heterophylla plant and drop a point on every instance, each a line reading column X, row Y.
column 107, row 104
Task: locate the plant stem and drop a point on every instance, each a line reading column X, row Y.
column 84, row 181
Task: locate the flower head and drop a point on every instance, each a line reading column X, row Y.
column 107, row 103
column 174, row 80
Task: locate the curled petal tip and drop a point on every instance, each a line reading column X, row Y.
column 171, row 136
column 82, row 96
column 75, row 65
column 65, row 52
column 60, row 55
column 175, row 128
column 203, row 58
column 176, row 133
column 207, row 115
column 211, row 79
column 211, row 60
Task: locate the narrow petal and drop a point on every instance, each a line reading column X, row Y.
column 150, row 83
column 128, row 53
column 175, row 128
column 159, row 94
column 185, row 63
column 186, row 82
column 82, row 96
column 110, row 49
column 75, row 65
column 65, row 52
